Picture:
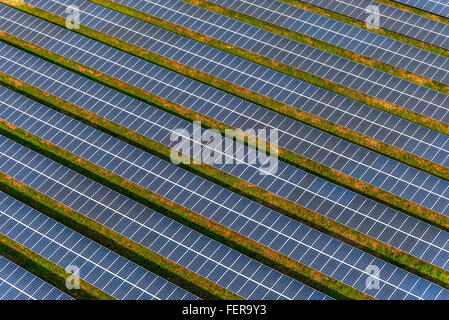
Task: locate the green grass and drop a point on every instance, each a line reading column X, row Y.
column 47, row 270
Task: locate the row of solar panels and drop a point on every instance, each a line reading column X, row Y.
column 349, row 73
column 291, row 183
column 439, row 7
column 361, row 118
column 384, row 168
column 391, row 18
column 368, row 166
column 375, row 123
column 235, row 212
column 18, row 284
column 229, row 209
column 343, row 35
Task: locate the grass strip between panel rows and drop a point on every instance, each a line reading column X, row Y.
column 110, row 239
column 45, row 269
column 142, row 195
column 322, row 45
column 127, row 247
column 342, row 179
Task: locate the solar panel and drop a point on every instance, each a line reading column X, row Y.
column 227, row 208
column 306, row 245
column 372, row 168
column 190, row 249
column 343, row 35
column 235, row 112
column 97, row 265
column 17, row 283
column 317, row 101
column 346, row 72
column 400, row 21
column 377, row 168
column 151, row 123
column 440, row 7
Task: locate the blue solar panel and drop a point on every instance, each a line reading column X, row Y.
column 346, row 72
column 172, row 240
column 18, row 284
column 97, row 265
column 212, row 201
column 400, row 21
column 336, row 199
column 346, row 36
column 367, row 166
column 235, row 112
column 440, row 7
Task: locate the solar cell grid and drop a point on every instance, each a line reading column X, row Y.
column 17, row 283
column 409, row 136
column 364, row 42
column 440, row 7
column 165, row 236
column 228, row 209
column 338, row 197
column 298, row 55
column 97, row 265
column 339, row 204
column 393, row 19
column 377, row 170
column 319, row 250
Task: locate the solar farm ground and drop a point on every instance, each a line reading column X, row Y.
column 319, row 171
